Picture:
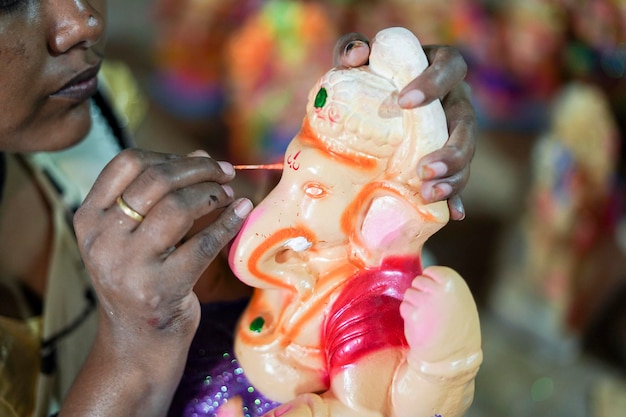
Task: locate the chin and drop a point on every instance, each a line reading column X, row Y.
column 61, row 132
column 70, row 139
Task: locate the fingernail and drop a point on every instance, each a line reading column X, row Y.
column 243, row 208
column 228, row 190
column 227, row 168
column 200, row 153
column 353, row 44
column 356, row 53
column 436, row 192
column 457, row 205
column 411, row 98
column 433, row 170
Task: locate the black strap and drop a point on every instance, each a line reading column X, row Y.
column 3, row 173
column 49, row 345
column 113, row 120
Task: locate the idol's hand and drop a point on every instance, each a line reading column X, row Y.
column 444, row 172
column 440, row 317
column 132, row 231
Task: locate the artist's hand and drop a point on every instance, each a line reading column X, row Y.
column 144, row 265
column 444, row 172
column 141, row 270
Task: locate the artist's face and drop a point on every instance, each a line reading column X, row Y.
column 50, row 52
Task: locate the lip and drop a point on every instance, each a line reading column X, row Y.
column 81, row 87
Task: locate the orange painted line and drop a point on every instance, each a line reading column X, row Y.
column 345, row 156
column 278, row 237
column 340, row 276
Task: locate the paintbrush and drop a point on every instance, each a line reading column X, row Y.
column 276, row 166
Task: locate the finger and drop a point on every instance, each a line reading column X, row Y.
column 174, row 215
column 130, row 215
column 456, row 208
column 158, row 180
column 459, row 149
column 119, row 173
column 448, row 189
column 351, row 50
column 424, row 283
column 443, row 189
column 410, row 303
column 110, row 184
column 201, row 249
column 447, row 69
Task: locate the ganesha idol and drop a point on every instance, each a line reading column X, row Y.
column 344, row 320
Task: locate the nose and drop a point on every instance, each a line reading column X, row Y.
column 74, row 23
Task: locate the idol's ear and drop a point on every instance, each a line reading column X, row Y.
column 389, row 224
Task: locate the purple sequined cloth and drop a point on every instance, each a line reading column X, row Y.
column 212, row 374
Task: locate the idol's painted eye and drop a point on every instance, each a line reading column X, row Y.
column 315, row 190
column 320, row 98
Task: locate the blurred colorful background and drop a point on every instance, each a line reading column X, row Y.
column 543, row 245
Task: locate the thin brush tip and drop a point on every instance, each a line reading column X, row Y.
column 277, row 166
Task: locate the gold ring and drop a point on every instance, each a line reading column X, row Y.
column 128, row 210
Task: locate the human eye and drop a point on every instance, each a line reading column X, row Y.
column 7, row 6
